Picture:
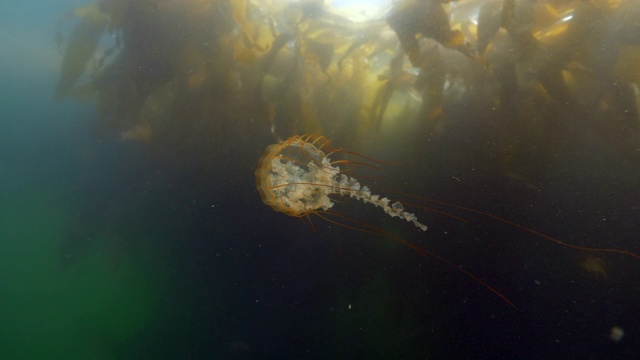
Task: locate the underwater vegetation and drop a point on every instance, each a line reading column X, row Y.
column 171, row 70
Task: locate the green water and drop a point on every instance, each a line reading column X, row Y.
column 81, row 312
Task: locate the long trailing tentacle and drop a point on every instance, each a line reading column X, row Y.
column 370, row 229
column 516, row 225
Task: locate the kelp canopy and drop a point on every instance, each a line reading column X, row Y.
column 524, row 73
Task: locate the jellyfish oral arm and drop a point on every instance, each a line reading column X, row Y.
column 349, row 186
column 300, row 191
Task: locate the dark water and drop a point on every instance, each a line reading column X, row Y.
column 113, row 251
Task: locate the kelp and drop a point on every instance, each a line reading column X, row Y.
column 82, row 45
column 195, row 68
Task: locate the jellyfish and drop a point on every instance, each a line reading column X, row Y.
column 297, row 177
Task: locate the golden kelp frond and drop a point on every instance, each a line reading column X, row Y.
column 194, row 67
column 117, row 10
column 91, row 12
column 154, row 116
column 81, row 47
column 141, row 133
column 594, row 265
column 239, row 11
